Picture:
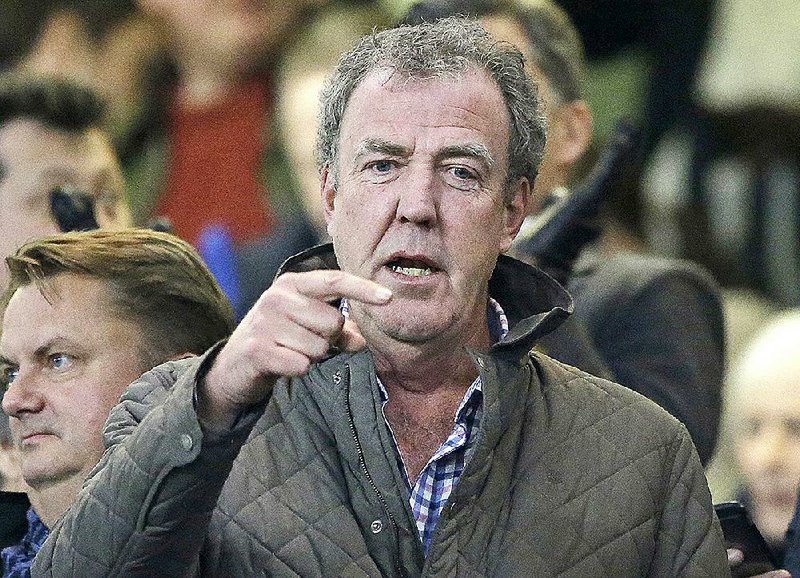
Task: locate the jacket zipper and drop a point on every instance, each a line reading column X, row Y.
column 363, row 463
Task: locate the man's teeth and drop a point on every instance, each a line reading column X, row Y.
column 411, row 271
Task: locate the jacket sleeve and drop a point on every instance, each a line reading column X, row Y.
column 145, row 507
column 689, row 540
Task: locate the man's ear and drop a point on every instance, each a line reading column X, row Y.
column 327, row 191
column 574, row 132
column 516, row 208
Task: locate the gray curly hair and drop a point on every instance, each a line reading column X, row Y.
column 445, row 48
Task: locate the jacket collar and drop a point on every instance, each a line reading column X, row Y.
column 533, row 301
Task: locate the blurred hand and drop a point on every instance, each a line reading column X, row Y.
column 736, row 557
column 290, row 327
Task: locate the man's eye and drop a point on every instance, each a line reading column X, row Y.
column 381, row 166
column 462, row 178
column 60, row 361
column 462, row 173
column 8, row 375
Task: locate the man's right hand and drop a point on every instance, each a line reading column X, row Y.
column 292, row 325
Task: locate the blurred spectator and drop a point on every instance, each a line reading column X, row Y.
column 84, row 315
column 643, row 57
column 50, row 137
column 763, row 407
column 745, row 313
column 309, row 59
column 106, row 44
column 652, row 324
column 207, row 157
column 671, row 37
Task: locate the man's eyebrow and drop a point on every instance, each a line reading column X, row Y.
column 379, row 145
column 471, row 150
column 54, row 342
column 4, row 361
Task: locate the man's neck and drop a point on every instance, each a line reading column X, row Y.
column 440, row 364
column 426, row 382
column 424, row 395
column 52, row 500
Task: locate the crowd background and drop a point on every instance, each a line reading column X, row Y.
column 212, row 111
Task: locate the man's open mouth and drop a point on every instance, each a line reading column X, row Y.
column 412, row 267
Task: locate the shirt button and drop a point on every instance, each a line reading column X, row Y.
column 186, row 441
column 376, row 526
column 337, row 378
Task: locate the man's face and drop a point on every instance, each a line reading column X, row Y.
column 418, row 206
column 68, row 362
column 35, row 159
column 767, row 445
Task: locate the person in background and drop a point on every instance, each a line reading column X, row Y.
column 207, row 157
column 110, row 47
column 51, row 137
column 763, row 407
column 379, row 411
column 652, row 324
column 309, row 59
column 84, row 315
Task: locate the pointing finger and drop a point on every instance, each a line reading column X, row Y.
column 332, row 284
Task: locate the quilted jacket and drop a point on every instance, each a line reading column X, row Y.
column 570, row 475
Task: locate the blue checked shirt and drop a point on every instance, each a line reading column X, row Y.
column 435, row 483
column 17, row 559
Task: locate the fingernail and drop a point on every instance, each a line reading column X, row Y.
column 383, row 293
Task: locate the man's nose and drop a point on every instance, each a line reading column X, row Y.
column 417, row 200
column 22, row 396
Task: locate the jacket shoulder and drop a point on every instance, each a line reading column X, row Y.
column 573, row 392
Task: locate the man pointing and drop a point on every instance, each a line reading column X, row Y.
column 441, row 447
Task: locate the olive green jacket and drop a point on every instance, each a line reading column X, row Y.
column 570, row 475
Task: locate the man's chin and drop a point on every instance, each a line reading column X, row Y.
column 407, row 324
column 38, row 476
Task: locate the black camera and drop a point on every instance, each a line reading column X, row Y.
column 73, row 209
